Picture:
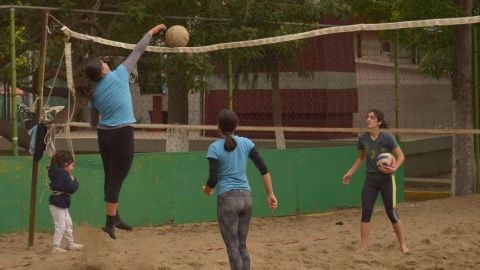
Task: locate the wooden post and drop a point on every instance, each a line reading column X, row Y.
column 229, row 81
column 13, row 83
column 396, row 55
column 476, row 106
column 41, row 77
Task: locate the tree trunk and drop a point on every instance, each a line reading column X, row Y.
column 177, row 104
column 177, row 139
column 463, row 158
column 277, row 108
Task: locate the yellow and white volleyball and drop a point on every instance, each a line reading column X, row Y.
column 177, row 36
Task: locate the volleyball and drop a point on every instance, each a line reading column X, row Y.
column 177, row 36
column 385, row 160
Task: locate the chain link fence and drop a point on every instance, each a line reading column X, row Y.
column 297, row 94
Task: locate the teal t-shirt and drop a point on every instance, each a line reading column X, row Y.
column 113, row 100
column 232, row 171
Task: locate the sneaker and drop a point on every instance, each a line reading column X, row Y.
column 120, row 224
column 75, row 246
column 110, row 231
column 123, row 226
column 57, row 249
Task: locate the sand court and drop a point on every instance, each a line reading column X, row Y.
column 442, row 234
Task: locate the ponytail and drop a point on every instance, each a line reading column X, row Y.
column 227, row 123
column 230, row 143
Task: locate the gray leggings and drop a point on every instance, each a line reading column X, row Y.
column 234, row 211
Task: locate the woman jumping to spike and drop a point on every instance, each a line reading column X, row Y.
column 111, row 112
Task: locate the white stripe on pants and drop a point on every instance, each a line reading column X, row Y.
column 63, row 225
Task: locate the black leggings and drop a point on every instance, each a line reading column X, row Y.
column 116, row 148
column 234, row 211
column 386, row 185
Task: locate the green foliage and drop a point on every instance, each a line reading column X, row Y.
column 21, row 40
column 261, row 19
column 208, row 21
column 189, row 70
column 66, row 7
column 435, row 44
column 222, row 21
column 426, row 9
column 372, row 11
column 135, row 13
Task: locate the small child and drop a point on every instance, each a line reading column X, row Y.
column 62, row 185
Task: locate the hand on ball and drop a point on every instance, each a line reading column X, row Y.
column 157, row 28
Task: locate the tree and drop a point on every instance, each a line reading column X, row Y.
column 448, row 51
column 107, row 26
column 464, row 171
column 28, row 37
column 260, row 19
column 184, row 73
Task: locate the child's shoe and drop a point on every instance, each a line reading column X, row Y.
column 57, row 249
column 74, row 246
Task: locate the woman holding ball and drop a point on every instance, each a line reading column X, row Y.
column 378, row 178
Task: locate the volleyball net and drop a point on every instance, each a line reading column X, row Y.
column 325, row 77
column 306, row 88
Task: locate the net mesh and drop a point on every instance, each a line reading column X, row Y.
column 306, row 89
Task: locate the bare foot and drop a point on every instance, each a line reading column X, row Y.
column 361, row 250
column 405, row 249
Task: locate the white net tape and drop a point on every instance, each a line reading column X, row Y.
column 278, row 39
column 68, row 62
column 438, row 131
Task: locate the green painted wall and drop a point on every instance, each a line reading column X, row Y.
column 166, row 187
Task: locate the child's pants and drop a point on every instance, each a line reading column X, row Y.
column 63, row 225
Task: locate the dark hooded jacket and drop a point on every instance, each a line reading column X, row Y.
column 62, row 186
